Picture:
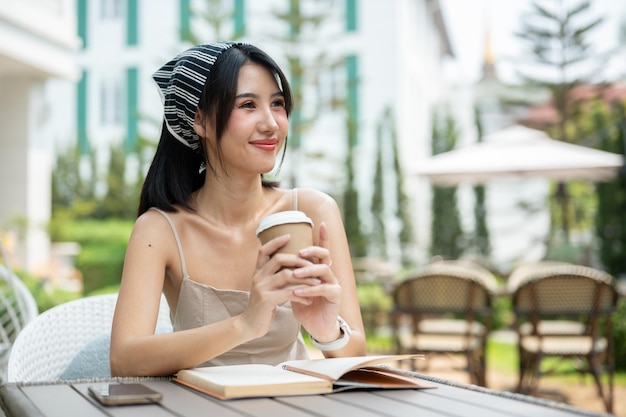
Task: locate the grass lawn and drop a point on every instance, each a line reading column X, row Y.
column 503, row 357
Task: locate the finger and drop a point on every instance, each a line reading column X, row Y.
column 316, row 254
column 302, row 300
column 332, row 293
column 267, row 250
column 321, row 271
column 273, row 245
column 284, row 278
column 286, row 261
column 281, row 295
column 324, row 242
column 323, row 239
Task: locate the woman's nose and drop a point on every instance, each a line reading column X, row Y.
column 268, row 122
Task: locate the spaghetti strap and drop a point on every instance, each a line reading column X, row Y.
column 180, row 248
column 294, row 199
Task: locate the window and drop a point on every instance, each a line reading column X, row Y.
column 111, row 102
column 111, row 9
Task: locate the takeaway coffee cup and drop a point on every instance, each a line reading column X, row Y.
column 292, row 222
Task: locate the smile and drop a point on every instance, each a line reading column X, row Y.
column 265, row 144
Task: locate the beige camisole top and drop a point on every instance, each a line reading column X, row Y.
column 200, row 304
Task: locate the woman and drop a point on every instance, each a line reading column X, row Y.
column 233, row 300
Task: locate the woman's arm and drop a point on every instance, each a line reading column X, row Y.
column 151, row 261
column 135, row 349
column 337, row 295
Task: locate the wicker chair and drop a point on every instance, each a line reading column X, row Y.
column 564, row 311
column 17, row 309
column 447, row 306
column 46, row 347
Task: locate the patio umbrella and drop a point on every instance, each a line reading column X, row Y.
column 520, row 151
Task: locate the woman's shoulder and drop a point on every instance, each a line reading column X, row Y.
column 311, row 199
column 312, row 193
column 157, row 219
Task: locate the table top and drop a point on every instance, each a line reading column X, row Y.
column 448, row 399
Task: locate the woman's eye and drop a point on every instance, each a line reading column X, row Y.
column 278, row 103
column 247, row 105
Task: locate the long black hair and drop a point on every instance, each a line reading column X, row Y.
column 174, row 173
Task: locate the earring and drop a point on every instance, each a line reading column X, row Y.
column 202, row 167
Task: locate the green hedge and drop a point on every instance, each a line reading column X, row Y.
column 46, row 298
column 619, row 335
column 103, row 246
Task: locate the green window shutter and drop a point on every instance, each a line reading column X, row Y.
column 351, row 16
column 184, row 18
column 132, row 112
column 132, row 22
column 239, row 17
column 81, row 16
column 81, row 113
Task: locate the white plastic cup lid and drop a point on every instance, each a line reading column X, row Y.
column 283, row 217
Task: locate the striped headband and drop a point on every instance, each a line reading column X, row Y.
column 181, row 82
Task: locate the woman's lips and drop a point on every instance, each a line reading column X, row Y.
column 265, row 144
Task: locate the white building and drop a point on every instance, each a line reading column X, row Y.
column 37, row 44
column 393, row 50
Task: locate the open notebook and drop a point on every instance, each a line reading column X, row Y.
column 300, row 377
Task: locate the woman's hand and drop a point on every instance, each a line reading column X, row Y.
column 320, row 303
column 275, row 282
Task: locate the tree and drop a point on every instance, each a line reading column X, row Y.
column 480, row 238
column 356, row 239
column 378, row 241
column 73, row 191
column 402, row 200
column 557, row 33
column 120, row 199
column 385, row 129
column 610, row 219
column 446, row 231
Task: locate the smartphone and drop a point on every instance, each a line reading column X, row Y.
column 124, row 394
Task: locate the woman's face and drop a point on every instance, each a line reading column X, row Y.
column 258, row 125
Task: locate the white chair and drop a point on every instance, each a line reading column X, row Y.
column 48, row 345
column 17, row 308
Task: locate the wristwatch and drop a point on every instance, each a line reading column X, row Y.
column 337, row 344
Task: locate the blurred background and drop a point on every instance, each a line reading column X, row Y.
column 380, row 88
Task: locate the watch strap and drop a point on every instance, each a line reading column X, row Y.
column 344, row 327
